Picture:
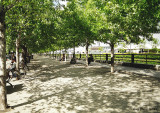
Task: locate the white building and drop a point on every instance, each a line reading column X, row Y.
column 102, row 48
column 60, row 4
column 136, row 48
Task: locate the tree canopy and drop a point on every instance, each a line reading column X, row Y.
column 40, row 25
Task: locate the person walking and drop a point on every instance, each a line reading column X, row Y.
column 13, row 58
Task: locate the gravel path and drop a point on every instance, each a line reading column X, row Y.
column 57, row 87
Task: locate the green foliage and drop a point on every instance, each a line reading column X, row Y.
column 34, row 21
column 122, row 50
column 127, row 20
column 76, row 23
column 100, row 48
column 154, row 50
column 111, row 21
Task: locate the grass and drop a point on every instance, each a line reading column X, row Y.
column 153, row 59
column 138, row 58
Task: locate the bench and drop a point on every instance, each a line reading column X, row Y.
column 8, row 77
column 23, row 67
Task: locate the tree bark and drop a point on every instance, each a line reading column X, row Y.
column 56, row 55
column 24, row 53
column 87, row 44
column 17, row 52
column 65, row 55
column 60, row 54
column 112, row 58
column 74, row 56
column 3, row 91
column 74, row 50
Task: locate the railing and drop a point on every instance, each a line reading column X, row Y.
column 139, row 58
column 127, row 58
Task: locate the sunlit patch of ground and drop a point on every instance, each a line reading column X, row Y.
column 58, row 87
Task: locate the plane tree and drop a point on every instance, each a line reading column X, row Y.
column 34, row 28
column 77, row 22
column 5, row 6
column 15, row 29
column 34, row 16
column 119, row 21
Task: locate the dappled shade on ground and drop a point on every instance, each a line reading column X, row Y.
column 53, row 86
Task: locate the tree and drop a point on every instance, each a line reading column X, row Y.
column 155, row 43
column 112, row 21
column 125, row 21
column 4, row 7
column 79, row 22
column 33, row 25
column 5, row 10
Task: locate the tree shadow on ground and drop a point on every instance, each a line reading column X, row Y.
column 64, row 71
column 16, row 88
column 48, row 72
column 34, row 65
column 97, row 96
column 137, row 77
column 86, row 90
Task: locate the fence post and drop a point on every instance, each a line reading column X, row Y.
column 106, row 57
column 132, row 59
column 146, row 59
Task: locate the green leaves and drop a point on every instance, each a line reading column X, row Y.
column 104, row 20
column 34, row 20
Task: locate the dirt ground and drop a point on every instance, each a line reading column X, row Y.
column 52, row 86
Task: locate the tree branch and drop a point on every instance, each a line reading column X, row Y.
column 10, row 6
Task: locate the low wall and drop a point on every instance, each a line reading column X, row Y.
column 145, row 66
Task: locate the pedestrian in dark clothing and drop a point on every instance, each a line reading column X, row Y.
column 13, row 58
column 90, row 59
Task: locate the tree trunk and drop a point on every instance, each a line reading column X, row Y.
column 112, row 58
column 56, row 54
column 49, row 54
column 74, row 53
column 3, row 91
column 17, row 52
column 74, row 49
column 65, row 55
column 87, row 52
column 24, row 53
column 60, row 55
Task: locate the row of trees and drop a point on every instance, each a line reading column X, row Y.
column 25, row 25
column 109, row 21
column 39, row 26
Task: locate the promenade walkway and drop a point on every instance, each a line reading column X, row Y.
column 129, row 70
column 57, row 87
